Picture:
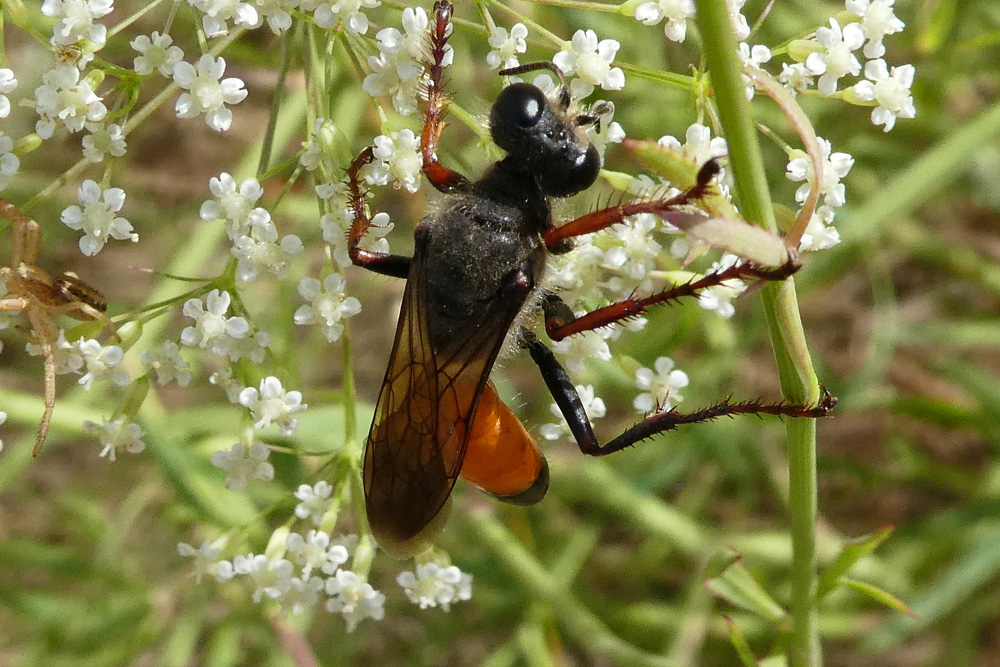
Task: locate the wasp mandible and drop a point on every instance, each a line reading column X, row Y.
column 473, row 281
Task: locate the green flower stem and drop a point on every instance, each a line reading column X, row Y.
column 577, row 621
column 798, row 380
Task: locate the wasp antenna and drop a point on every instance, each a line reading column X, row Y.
column 564, row 95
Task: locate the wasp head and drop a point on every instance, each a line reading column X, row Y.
column 545, row 142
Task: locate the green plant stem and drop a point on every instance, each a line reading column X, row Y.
column 798, row 380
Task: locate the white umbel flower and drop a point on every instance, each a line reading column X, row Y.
column 877, row 21
column 660, row 386
column 506, row 46
column 104, row 139
column 156, row 52
column 398, row 159
column 116, row 436
column 272, row 404
column 167, row 364
column 590, row 60
column 64, row 99
column 435, row 586
column 314, row 501
column 354, row 599
column 891, row 89
column 593, row 405
column 243, row 464
column 8, row 83
column 208, row 92
column 676, row 13
column 836, row 59
column 328, row 306
column 77, row 20
column 96, row 216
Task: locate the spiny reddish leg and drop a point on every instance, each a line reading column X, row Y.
column 568, row 400
column 595, row 221
column 560, row 321
column 396, row 266
column 440, row 176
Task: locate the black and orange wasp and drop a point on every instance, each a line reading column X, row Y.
column 473, row 281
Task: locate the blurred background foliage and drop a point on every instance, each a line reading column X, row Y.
column 903, row 318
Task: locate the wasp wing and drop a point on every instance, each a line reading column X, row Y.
column 424, row 414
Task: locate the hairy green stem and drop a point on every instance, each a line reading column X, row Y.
column 798, row 380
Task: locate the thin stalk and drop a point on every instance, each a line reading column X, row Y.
column 798, row 380
column 284, row 61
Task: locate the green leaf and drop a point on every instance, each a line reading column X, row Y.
column 739, row 643
column 971, row 569
column 738, row 587
column 879, row 595
column 681, row 172
column 853, row 551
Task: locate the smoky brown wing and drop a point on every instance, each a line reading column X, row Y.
column 422, row 418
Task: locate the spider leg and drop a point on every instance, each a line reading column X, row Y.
column 395, row 266
column 84, row 311
column 45, row 333
column 568, row 400
column 14, row 303
column 27, row 236
column 440, row 176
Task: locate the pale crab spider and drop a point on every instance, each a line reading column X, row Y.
column 41, row 297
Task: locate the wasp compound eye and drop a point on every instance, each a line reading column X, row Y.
column 577, row 171
column 517, row 110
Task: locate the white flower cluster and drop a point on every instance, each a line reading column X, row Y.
column 830, row 55
column 243, row 464
column 77, row 21
column 593, row 405
column 271, row 404
column 256, row 244
column 397, row 158
column 398, row 68
column 89, row 359
column 590, row 61
column 314, row 501
column 208, row 93
column 434, row 586
column 659, row 386
column 507, row 46
column 226, row 337
column 297, row 574
column 328, row 305
column 167, row 364
column 96, row 216
column 116, row 436
column 820, row 234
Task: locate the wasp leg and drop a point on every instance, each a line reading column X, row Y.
column 440, row 176
column 556, row 237
column 562, row 390
column 560, row 321
column 394, row 266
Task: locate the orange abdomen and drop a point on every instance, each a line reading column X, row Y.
column 501, row 457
